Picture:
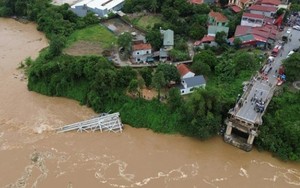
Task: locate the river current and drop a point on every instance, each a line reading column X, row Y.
column 33, row 155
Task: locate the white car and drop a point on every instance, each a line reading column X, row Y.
column 296, row 27
column 290, row 53
column 288, row 31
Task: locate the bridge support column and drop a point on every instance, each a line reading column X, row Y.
column 251, row 138
column 228, row 129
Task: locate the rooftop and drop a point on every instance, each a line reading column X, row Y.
column 168, row 37
column 99, row 4
column 141, row 46
column 195, row 81
column 271, row 2
column 263, row 8
column 198, row 2
column 183, row 69
column 212, row 29
column 250, row 15
column 235, row 8
column 267, row 31
column 219, row 17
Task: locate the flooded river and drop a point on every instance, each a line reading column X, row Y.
column 32, row 155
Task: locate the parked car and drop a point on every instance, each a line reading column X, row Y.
column 289, row 30
column 296, row 27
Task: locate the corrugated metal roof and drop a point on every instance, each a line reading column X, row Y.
column 195, row 81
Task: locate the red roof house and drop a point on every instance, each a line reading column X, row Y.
column 196, row 2
column 217, row 18
column 141, row 46
column 184, row 71
column 270, row 2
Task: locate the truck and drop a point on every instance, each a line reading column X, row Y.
column 276, row 50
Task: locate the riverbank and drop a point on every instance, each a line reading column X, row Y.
column 37, row 157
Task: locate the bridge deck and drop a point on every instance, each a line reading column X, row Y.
column 109, row 122
column 263, row 89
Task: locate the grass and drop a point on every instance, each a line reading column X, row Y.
column 146, row 21
column 95, row 34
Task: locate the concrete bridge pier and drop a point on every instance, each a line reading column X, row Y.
column 245, row 144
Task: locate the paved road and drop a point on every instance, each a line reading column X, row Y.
column 261, row 88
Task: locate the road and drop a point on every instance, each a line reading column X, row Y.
column 261, row 88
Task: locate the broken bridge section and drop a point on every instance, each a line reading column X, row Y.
column 106, row 122
column 246, row 116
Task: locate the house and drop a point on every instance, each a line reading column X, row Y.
column 141, row 52
column 250, row 40
column 213, row 30
column 188, row 85
column 242, row 3
column 253, row 20
column 217, row 19
column 262, row 37
column 268, row 11
column 100, row 7
column 206, row 40
column 161, row 55
column 196, row 2
column 199, row 2
column 184, row 71
column 235, row 8
column 168, row 39
column 271, row 3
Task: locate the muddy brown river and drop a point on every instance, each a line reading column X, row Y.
column 32, row 155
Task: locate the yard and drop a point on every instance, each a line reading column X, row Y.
column 90, row 40
column 147, row 21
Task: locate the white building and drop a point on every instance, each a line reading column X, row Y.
column 268, row 11
column 141, row 52
column 99, row 7
column 253, row 20
column 188, row 85
column 184, row 71
column 189, row 82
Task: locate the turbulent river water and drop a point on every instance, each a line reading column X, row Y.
column 33, row 155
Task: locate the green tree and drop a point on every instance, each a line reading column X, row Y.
column 197, row 31
column 153, row 6
column 245, row 61
column 202, row 110
column 133, row 86
column 125, row 75
column 154, row 38
column 237, row 42
column 280, row 12
column 199, row 67
column 146, row 74
column 292, row 67
column 175, row 101
column 221, row 38
column 207, row 57
column 158, row 82
column 170, row 72
column 56, row 46
column 125, row 41
column 223, row 3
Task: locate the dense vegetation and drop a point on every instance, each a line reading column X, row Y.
column 52, row 20
column 94, row 81
column 280, row 132
column 184, row 18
